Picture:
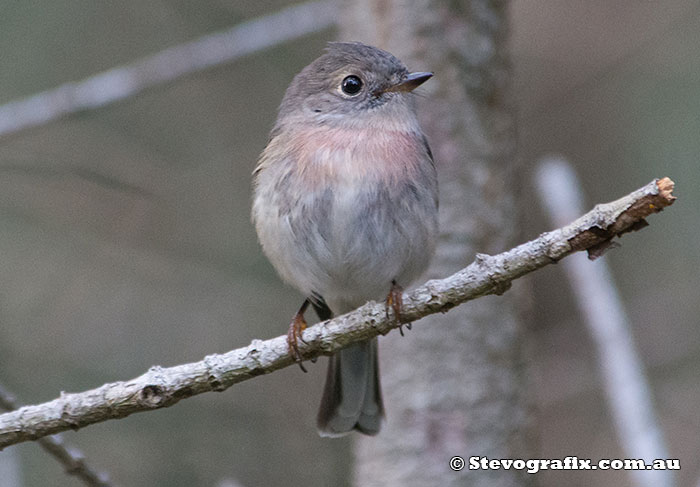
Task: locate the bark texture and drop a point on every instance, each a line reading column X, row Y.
column 458, row 388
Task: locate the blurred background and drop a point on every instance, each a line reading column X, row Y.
column 125, row 238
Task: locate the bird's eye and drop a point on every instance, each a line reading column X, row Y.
column 351, row 85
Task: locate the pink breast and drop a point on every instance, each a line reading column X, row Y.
column 327, row 154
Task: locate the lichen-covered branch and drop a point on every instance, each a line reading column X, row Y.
column 71, row 458
column 163, row 387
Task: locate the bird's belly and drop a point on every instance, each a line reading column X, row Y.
column 348, row 245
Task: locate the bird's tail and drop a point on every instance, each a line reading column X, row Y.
column 352, row 397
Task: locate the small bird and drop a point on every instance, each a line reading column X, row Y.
column 345, row 206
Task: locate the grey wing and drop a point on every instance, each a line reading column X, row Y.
column 432, row 163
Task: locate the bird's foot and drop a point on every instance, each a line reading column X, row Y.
column 294, row 334
column 394, row 301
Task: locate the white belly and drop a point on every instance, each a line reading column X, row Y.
column 349, row 244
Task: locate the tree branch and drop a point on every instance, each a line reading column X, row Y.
column 162, row 387
column 624, row 381
column 205, row 52
column 71, row 458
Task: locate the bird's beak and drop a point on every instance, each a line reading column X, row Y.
column 410, row 82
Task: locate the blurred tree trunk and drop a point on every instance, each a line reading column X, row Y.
column 456, row 386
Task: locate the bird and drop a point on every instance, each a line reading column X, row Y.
column 345, row 205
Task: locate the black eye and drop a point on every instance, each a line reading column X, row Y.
column 351, row 85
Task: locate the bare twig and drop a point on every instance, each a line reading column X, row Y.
column 623, row 375
column 126, row 81
column 72, row 459
column 163, row 387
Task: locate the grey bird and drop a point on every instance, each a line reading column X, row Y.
column 345, row 206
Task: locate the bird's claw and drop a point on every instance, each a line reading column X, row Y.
column 394, row 301
column 294, row 335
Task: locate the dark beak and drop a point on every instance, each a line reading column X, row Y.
column 411, row 82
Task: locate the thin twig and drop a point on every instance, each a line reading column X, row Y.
column 625, row 384
column 165, row 66
column 71, row 458
column 163, row 387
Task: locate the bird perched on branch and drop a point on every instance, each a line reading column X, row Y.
column 345, row 205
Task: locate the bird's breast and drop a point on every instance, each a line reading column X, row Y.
column 325, row 155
